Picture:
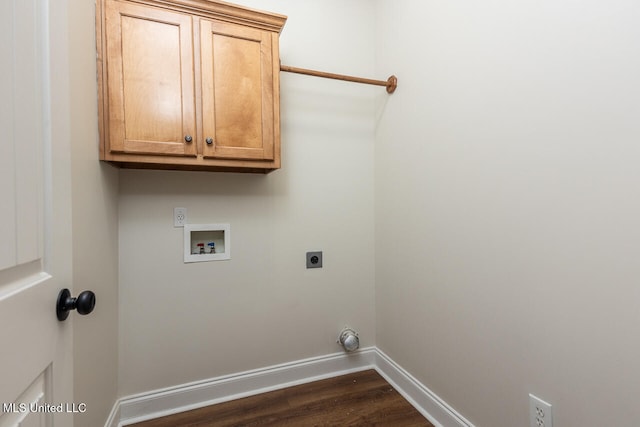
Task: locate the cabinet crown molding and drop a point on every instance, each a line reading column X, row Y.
column 224, row 11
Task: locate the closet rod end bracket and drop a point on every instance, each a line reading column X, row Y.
column 392, row 84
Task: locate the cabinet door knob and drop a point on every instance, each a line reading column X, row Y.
column 209, row 141
column 188, row 138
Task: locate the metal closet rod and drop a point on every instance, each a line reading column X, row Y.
column 391, row 83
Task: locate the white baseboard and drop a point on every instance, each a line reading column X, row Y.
column 424, row 400
column 172, row 400
column 114, row 416
column 185, row 397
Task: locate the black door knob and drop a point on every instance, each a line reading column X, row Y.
column 84, row 303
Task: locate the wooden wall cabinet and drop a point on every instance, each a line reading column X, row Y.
column 188, row 84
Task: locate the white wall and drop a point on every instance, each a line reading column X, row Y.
column 95, row 230
column 186, row 322
column 507, row 205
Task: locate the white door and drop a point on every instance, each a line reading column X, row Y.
column 36, row 371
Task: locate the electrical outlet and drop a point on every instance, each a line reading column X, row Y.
column 179, row 217
column 540, row 414
column 314, row 259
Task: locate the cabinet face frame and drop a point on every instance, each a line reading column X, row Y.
column 227, row 157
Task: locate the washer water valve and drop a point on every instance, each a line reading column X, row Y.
column 349, row 339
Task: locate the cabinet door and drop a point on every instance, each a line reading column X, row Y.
column 237, row 91
column 150, row 80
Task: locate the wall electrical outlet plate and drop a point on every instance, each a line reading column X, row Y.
column 314, row 259
column 179, row 217
column 540, row 414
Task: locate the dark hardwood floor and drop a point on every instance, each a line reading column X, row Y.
column 359, row 399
